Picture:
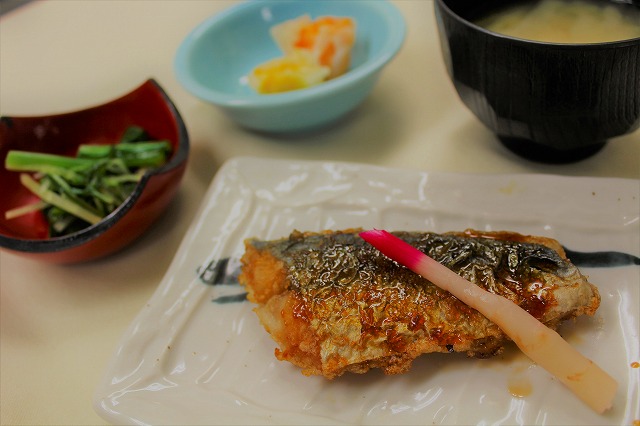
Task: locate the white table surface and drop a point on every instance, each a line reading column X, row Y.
column 60, row 324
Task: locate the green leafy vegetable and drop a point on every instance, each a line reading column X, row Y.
column 76, row 192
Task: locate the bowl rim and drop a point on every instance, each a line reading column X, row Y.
column 391, row 15
column 69, row 241
column 530, row 42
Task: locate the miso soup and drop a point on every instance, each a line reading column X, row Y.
column 566, row 21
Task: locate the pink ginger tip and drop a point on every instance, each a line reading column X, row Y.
column 393, row 247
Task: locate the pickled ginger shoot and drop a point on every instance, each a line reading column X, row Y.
column 541, row 344
column 313, row 51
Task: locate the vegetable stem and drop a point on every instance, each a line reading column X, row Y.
column 54, row 199
column 26, row 209
column 31, row 161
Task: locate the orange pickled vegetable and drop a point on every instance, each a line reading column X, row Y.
column 329, row 39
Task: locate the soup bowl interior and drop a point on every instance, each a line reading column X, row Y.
column 147, row 106
column 550, row 102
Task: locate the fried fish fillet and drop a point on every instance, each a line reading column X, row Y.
column 334, row 304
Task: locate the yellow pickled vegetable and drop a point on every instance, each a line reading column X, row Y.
column 296, row 71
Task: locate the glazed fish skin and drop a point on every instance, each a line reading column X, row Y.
column 333, row 303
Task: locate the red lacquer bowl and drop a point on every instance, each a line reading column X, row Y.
column 149, row 107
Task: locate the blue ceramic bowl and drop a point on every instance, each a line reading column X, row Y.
column 213, row 61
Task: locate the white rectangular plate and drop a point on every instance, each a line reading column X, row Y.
column 197, row 354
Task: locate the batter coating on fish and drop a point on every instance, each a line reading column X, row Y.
column 334, row 303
